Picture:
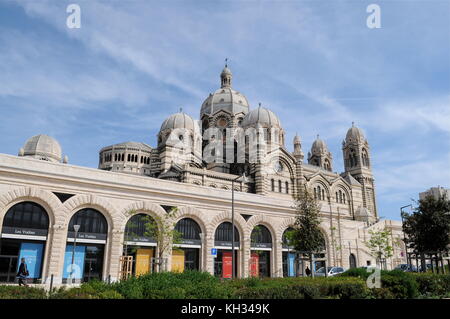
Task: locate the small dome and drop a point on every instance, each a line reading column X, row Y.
column 319, row 146
column 226, row 70
column 43, row 147
column 354, row 134
column 297, row 139
column 179, row 120
column 262, row 117
column 225, row 99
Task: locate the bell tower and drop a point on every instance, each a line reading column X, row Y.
column 356, row 152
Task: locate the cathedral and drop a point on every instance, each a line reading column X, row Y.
column 57, row 214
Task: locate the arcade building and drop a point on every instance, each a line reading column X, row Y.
column 53, row 213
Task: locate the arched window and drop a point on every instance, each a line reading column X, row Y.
column 352, row 261
column 279, row 186
column 26, row 215
column 340, row 196
column 337, row 198
column 188, row 228
column 139, row 228
column 287, row 187
column 323, row 194
column 343, row 197
column 285, row 237
column 365, row 158
column 273, row 185
column 261, row 237
column 224, row 234
column 90, row 221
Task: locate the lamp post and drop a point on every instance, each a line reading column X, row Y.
column 404, row 235
column 202, row 236
column 76, row 228
column 243, row 179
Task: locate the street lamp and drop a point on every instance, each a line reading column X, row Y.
column 76, row 228
column 404, row 235
column 243, row 179
column 202, row 236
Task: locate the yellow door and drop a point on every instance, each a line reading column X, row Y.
column 178, row 260
column 143, row 257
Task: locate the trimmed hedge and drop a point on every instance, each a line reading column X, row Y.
column 202, row 285
column 300, row 288
column 168, row 285
column 401, row 285
column 17, row 292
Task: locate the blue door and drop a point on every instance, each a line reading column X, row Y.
column 32, row 252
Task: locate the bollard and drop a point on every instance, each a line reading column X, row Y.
column 51, row 283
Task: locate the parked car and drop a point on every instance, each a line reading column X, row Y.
column 427, row 267
column 331, row 271
column 406, row 267
column 369, row 268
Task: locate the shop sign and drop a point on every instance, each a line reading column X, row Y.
column 261, row 245
column 140, row 239
column 94, row 236
column 24, row 231
column 191, row 242
column 226, row 243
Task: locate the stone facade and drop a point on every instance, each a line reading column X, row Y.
column 135, row 176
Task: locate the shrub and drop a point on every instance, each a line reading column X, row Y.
column 394, row 284
column 401, row 284
column 189, row 285
column 432, row 285
column 90, row 290
column 301, row 288
column 17, row 292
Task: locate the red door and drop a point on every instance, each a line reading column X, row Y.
column 254, row 265
column 227, row 264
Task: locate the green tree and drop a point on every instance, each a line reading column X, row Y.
column 307, row 238
column 427, row 229
column 162, row 230
column 380, row 245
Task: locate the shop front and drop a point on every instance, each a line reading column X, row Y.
column 261, row 252
column 223, row 263
column 291, row 259
column 186, row 253
column 24, row 235
column 85, row 247
column 140, row 244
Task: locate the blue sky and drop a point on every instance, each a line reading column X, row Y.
column 314, row 63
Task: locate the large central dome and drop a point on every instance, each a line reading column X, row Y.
column 225, row 99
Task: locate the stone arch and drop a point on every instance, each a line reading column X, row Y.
column 225, row 216
column 78, row 202
column 145, row 207
column 49, row 201
column 285, row 224
column 341, row 186
column 327, row 240
column 195, row 214
column 319, row 180
column 262, row 220
column 288, row 164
